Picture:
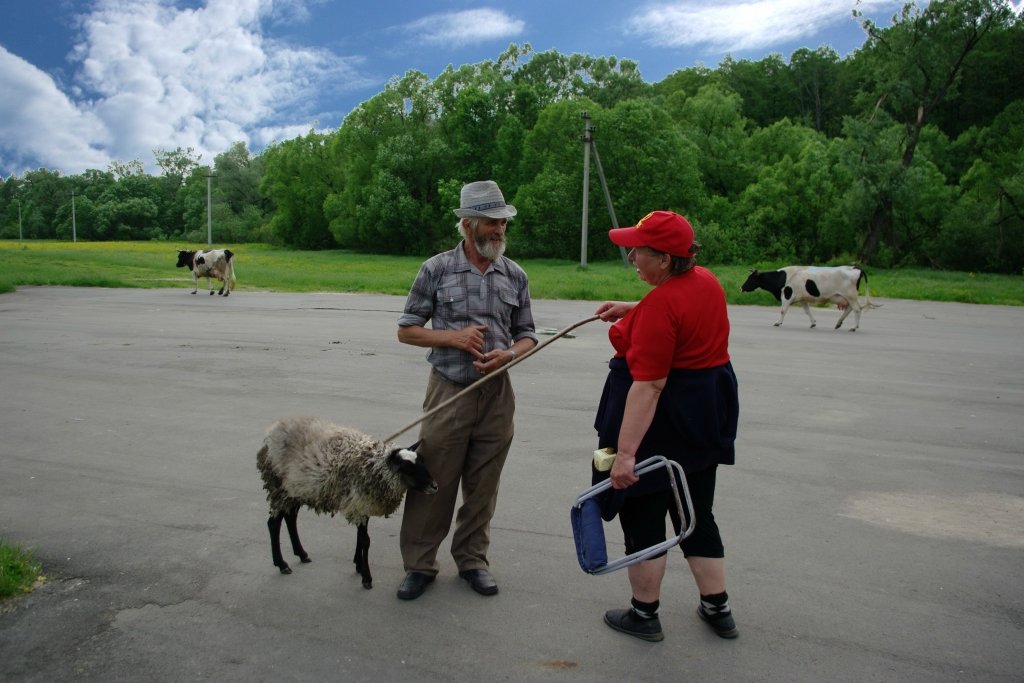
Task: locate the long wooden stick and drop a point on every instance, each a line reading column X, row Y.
column 489, row 377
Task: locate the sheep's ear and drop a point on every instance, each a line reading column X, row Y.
column 394, row 459
column 415, row 446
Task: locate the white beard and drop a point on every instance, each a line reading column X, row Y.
column 488, row 249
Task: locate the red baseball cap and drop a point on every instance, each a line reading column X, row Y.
column 665, row 231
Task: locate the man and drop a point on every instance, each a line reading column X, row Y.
column 478, row 303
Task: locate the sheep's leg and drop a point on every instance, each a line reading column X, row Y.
column 362, row 558
column 357, row 560
column 291, row 519
column 274, row 525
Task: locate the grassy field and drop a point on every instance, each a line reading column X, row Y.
column 261, row 267
column 19, row 571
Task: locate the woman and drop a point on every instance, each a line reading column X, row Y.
column 670, row 391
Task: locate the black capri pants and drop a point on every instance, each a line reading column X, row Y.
column 643, row 518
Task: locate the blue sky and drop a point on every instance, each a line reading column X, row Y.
column 87, row 82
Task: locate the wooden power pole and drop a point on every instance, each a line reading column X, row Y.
column 589, row 145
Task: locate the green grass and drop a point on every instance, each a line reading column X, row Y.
column 261, row 267
column 18, row 571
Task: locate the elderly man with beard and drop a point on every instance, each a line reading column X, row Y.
column 478, row 304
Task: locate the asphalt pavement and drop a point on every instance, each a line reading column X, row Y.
column 873, row 523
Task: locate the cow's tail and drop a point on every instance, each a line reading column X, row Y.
column 867, row 293
column 232, row 280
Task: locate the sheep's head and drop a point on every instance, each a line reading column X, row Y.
column 409, row 465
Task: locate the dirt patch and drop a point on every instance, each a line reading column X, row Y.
column 992, row 518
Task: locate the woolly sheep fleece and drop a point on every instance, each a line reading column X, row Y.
column 329, row 468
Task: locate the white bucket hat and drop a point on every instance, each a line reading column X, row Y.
column 483, row 198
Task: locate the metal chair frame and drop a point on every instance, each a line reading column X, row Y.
column 649, row 465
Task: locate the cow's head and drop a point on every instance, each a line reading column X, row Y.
column 752, row 282
column 185, row 259
column 772, row 282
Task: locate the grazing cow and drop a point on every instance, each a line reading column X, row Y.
column 814, row 285
column 217, row 263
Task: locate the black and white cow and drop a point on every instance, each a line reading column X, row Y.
column 814, row 285
column 217, row 263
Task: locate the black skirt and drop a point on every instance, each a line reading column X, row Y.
column 694, row 423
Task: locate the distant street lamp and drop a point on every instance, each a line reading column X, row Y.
column 19, row 221
column 209, row 212
column 74, row 229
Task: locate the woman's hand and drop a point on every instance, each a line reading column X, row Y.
column 622, row 474
column 610, row 311
column 641, row 402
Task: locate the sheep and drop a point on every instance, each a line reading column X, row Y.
column 331, row 469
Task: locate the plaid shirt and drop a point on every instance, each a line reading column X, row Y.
column 452, row 294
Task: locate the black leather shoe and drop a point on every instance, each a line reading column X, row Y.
column 481, row 581
column 722, row 624
column 625, row 621
column 413, row 585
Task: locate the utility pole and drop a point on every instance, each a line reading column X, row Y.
column 589, row 144
column 19, row 221
column 209, row 213
column 74, row 227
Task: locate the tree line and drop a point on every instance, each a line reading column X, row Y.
column 909, row 151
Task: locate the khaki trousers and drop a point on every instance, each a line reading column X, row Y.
column 464, row 446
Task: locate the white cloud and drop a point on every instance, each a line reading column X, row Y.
column 468, row 27
column 149, row 75
column 39, row 124
column 734, row 26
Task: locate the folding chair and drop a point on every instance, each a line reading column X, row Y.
column 588, row 527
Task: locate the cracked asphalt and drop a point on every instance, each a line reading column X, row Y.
column 874, row 523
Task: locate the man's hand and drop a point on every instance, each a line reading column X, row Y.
column 469, row 339
column 492, row 360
